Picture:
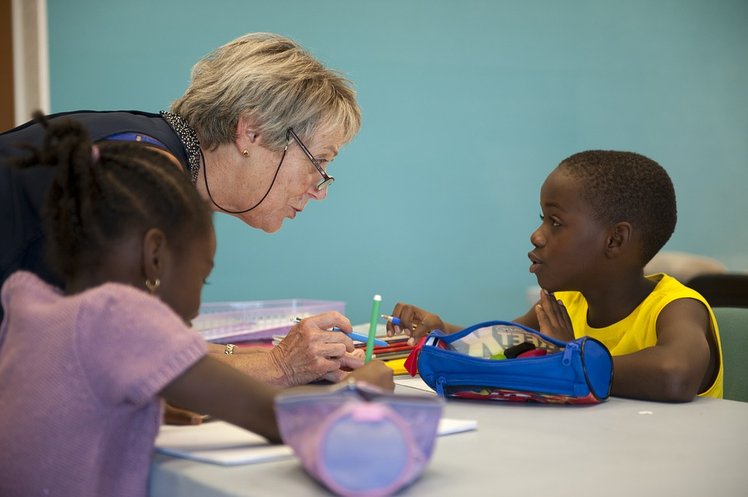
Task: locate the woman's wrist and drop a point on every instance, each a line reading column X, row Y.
column 284, row 376
column 261, row 364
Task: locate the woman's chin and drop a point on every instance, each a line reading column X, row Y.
column 264, row 224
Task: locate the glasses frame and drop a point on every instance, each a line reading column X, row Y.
column 327, row 180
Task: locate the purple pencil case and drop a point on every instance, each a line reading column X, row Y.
column 358, row 440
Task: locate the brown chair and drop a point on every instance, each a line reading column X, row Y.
column 727, row 294
column 722, row 289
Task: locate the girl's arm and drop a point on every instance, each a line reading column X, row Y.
column 213, row 387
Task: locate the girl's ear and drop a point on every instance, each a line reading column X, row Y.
column 155, row 255
column 619, row 239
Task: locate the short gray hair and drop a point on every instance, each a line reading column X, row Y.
column 276, row 83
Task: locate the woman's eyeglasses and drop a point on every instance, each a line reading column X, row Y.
column 327, row 180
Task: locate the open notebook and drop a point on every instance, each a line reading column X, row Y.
column 218, row 442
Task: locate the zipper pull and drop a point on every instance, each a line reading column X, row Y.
column 571, row 347
column 440, row 386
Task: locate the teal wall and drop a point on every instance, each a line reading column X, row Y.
column 467, row 106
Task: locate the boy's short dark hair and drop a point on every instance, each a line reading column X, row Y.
column 625, row 186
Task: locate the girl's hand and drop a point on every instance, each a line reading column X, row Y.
column 553, row 318
column 376, row 373
column 174, row 415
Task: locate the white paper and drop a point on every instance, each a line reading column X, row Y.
column 218, row 442
column 448, row 426
column 415, row 382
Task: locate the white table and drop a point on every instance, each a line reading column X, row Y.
column 621, row 448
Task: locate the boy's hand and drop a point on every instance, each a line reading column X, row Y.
column 553, row 318
column 414, row 322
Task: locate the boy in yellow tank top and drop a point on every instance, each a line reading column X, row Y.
column 605, row 214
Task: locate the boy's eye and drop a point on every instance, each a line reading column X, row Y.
column 554, row 222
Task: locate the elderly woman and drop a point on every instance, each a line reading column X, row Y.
column 255, row 131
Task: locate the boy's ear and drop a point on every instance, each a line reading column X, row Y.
column 619, row 239
column 155, row 254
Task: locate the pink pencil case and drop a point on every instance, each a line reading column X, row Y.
column 358, row 440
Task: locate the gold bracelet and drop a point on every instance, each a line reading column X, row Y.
column 229, row 349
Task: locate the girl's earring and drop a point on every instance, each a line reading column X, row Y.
column 152, row 285
column 245, row 152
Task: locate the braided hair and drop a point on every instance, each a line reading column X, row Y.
column 104, row 192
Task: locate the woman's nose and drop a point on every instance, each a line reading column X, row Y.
column 318, row 194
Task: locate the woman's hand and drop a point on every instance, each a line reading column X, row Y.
column 311, row 352
column 553, row 319
column 416, row 322
column 349, row 362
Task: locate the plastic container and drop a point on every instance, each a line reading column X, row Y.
column 224, row 322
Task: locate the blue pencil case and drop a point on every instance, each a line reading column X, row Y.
column 501, row 360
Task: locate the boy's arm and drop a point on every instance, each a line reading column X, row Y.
column 679, row 366
column 676, row 369
column 529, row 319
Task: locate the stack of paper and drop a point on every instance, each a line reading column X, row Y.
column 222, row 443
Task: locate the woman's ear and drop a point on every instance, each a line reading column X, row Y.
column 619, row 239
column 155, row 256
column 246, row 132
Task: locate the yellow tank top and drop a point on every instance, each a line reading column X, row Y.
column 638, row 330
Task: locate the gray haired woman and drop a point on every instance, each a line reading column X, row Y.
column 254, row 132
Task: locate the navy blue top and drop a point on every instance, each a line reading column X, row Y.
column 23, row 191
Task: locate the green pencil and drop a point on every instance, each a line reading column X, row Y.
column 373, row 326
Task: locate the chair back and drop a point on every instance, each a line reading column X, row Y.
column 727, row 294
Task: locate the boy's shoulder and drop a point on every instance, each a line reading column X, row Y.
column 668, row 286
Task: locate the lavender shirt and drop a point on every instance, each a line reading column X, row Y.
column 79, row 383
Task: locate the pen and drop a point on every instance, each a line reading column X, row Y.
column 392, row 319
column 354, row 336
column 396, row 321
